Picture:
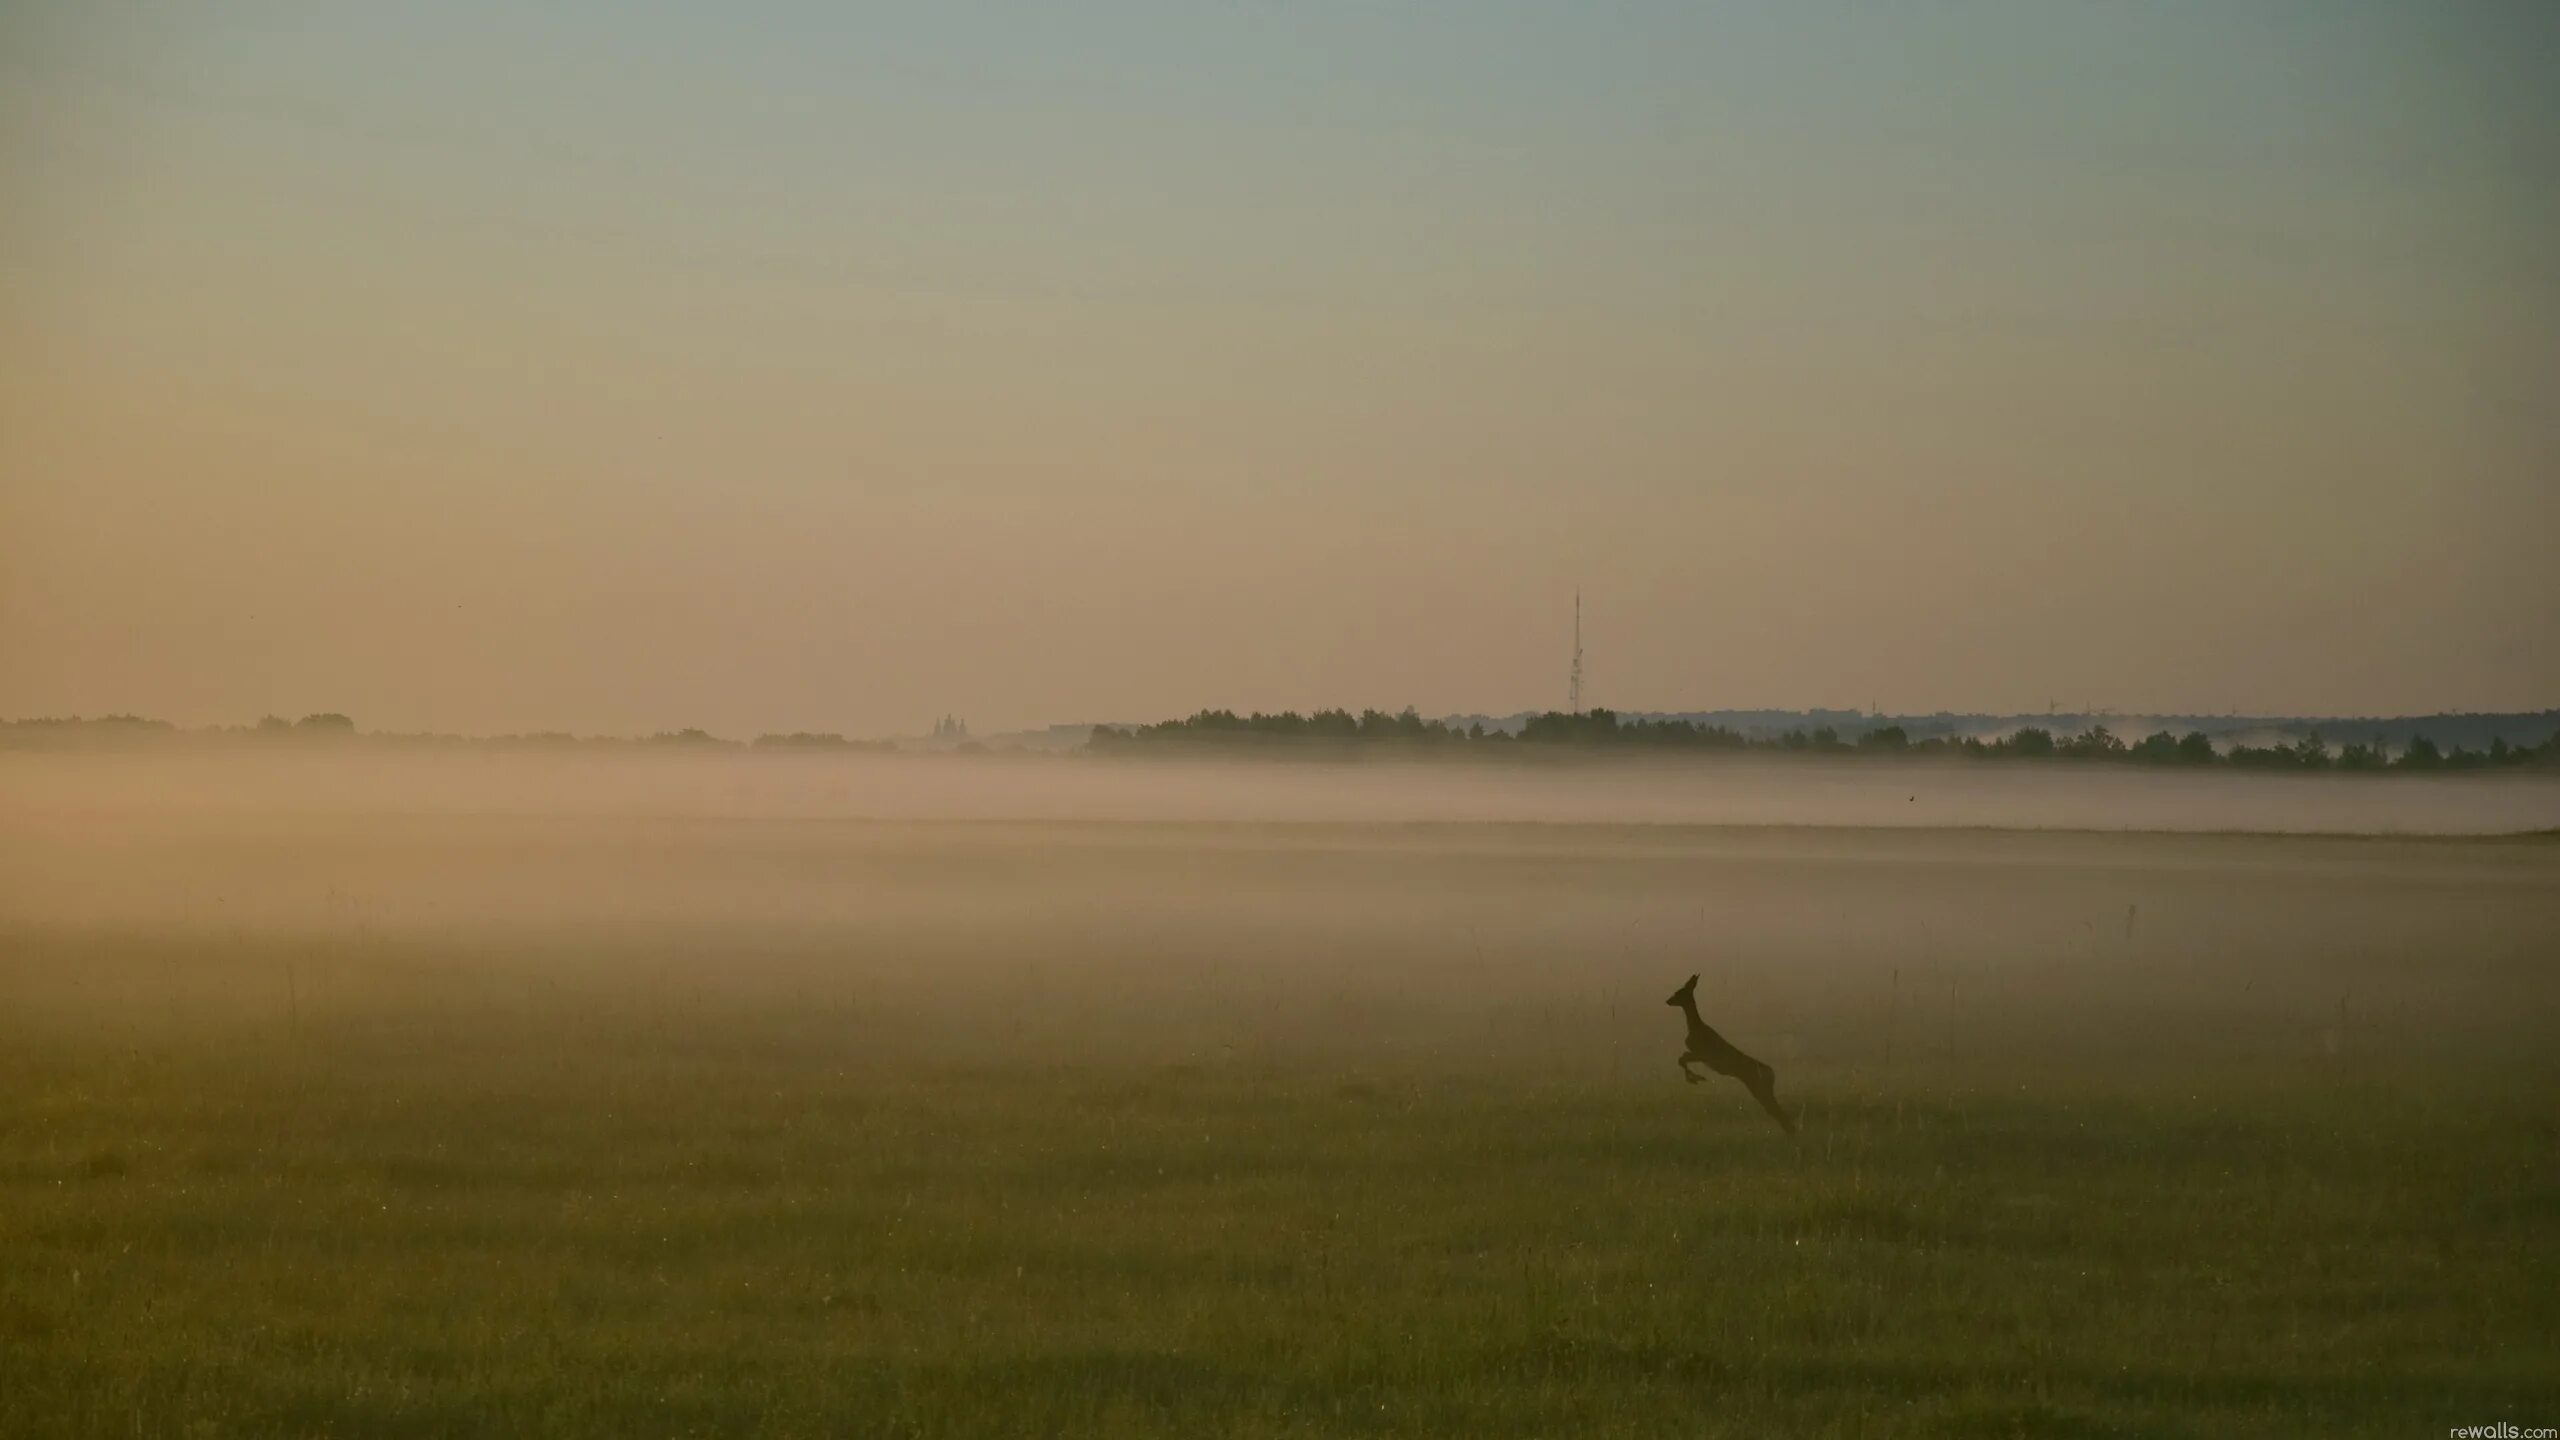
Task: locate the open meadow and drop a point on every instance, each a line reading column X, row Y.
column 414, row 1115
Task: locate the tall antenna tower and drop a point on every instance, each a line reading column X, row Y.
column 1573, row 681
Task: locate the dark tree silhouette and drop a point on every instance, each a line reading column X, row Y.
column 2157, row 748
column 2095, row 743
column 1604, row 729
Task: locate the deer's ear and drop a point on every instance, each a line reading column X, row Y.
column 1693, row 979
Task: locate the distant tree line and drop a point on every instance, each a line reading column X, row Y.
column 331, row 725
column 112, row 725
column 1407, row 732
column 825, row 740
column 1605, row 730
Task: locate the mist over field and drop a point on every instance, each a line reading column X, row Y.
column 1248, row 897
column 212, row 785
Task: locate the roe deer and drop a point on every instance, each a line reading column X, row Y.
column 1712, row 1050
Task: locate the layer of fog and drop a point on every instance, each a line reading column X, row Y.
column 1448, row 950
column 352, row 903
column 218, row 786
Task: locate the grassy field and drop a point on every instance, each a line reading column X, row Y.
column 766, row 1128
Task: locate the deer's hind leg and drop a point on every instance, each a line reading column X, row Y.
column 1763, row 1085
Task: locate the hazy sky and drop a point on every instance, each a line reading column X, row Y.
column 763, row 366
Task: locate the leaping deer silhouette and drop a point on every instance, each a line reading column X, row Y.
column 1712, row 1050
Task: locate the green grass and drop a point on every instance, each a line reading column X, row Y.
column 620, row 1235
column 497, row 1128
